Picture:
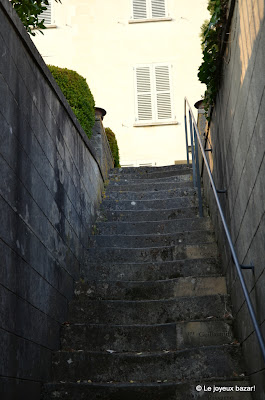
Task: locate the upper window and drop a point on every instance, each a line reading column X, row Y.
column 153, row 94
column 148, row 10
column 47, row 14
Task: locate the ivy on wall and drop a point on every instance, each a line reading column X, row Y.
column 211, row 35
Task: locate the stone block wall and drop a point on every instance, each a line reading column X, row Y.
column 50, row 187
column 237, row 136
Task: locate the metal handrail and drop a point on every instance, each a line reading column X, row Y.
column 195, row 136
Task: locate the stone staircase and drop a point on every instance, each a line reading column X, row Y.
column 151, row 320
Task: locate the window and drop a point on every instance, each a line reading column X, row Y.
column 153, row 97
column 47, row 14
column 149, row 10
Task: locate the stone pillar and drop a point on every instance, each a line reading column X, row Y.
column 100, row 142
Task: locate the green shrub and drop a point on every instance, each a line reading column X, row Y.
column 78, row 95
column 113, row 146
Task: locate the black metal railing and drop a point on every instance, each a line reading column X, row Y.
column 194, row 141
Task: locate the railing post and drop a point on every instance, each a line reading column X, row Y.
column 198, row 173
column 186, row 136
column 192, row 152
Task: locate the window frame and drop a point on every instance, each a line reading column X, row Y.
column 149, row 17
column 155, row 121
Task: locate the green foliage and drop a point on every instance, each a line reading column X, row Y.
column 78, row 95
column 211, row 33
column 204, row 27
column 113, row 146
column 29, row 11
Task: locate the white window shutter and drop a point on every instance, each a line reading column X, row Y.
column 47, row 14
column 158, row 8
column 163, row 92
column 139, row 9
column 144, row 93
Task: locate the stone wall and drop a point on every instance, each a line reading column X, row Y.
column 100, row 143
column 50, row 187
column 237, row 136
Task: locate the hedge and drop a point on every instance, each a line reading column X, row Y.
column 113, row 146
column 78, row 95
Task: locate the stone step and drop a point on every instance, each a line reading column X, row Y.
column 149, row 290
column 126, row 180
column 196, row 363
column 141, row 216
column 152, row 174
column 149, row 205
column 151, row 227
column 152, row 270
column 147, row 170
column 138, row 312
column 85, row 390
column 142, row 338
column 152, row 240
column 154, row 186
column 152, row 254
column 150, row 195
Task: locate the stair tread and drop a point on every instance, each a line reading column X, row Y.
column 137, row 290
column 142, row 338
column 147, row 190
column 147, row 186
column 144, row 325
column 165, row 354
column 175, row 178
column 195, row 219
column 151, row 175
column 148, row 301
column 154, row 383
column 142, row 391
column 153, row 240
column 147, row 215
column 119, row 235
column 137, row 312
column 144, row 282
column 200, row 362
column 154, row 253
column 150, row 194
column 170, row 390
column 125, row 170
column 158, row 263
column 147, row 200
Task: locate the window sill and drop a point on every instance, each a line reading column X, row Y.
column 50, row 26
column 137, row 21
column 139, row 124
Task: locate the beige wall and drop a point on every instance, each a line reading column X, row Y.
column 95, row 39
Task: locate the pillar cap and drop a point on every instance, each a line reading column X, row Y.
column 100, row 112
column 199, row 104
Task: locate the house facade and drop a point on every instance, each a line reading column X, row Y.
column 140, row 58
